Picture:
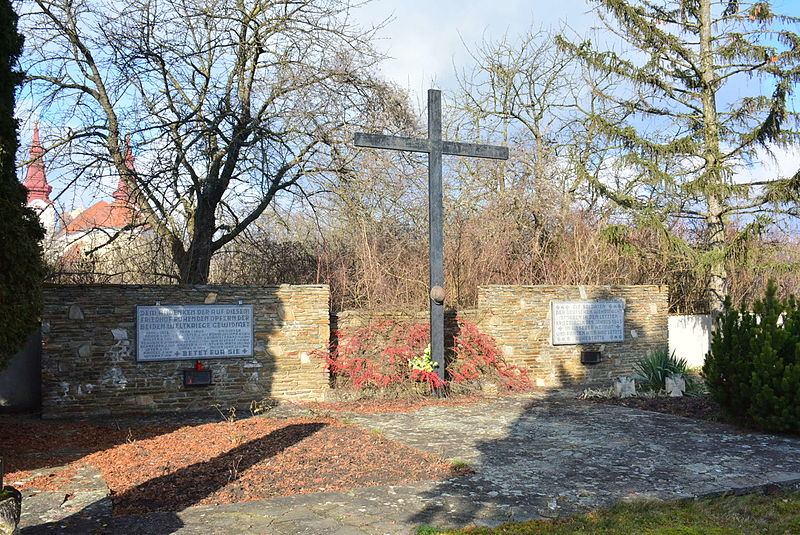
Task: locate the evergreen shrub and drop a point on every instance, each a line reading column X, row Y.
column 21, row 268
column 753, row 367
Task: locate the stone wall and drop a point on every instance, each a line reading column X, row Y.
column 87, row 369
column 89, row 364
column 518, row 317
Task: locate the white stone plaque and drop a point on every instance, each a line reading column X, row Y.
column 587, row 322
column 176, row 332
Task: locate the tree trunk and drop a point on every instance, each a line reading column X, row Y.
column 718, row 275
column 712, row 174
column 195, row 264
column 195, row 268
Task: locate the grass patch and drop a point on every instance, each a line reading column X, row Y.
column 457, row 463
column 774, row 514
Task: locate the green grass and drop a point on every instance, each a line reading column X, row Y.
column 774, row 514
column 458, row 463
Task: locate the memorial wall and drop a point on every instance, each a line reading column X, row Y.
column 544, row 329
column 127, row 349
column 123, row 349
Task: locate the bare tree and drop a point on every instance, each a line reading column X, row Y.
column 231, row 104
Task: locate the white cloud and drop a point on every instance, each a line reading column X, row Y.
column 426, row 40
column 781, row 163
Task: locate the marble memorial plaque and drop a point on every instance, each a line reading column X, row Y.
column 176, row 332
column 587, row 322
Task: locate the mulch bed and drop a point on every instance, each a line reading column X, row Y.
column 168, row 468
column 28, row 445
column 698, row 407
column 393, row 405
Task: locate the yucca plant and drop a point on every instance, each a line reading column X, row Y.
column 653, row 369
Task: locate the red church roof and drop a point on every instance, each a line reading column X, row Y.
column 103, row 215
column 35, row 180
column 119, row 214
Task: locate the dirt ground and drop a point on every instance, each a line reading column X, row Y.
column 698, row 407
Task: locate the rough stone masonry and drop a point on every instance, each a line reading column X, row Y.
column 519, row 319
column 89, row 366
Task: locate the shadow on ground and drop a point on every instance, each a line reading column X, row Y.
column 153, row 505
column 557, row 456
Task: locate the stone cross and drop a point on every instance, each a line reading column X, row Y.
column 675, row 385
column 624, row 387
column 434, row 146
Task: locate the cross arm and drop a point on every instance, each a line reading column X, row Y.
column 494, row 152
column 379, row 141
column 454, row 148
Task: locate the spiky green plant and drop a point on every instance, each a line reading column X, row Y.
column 654, row 367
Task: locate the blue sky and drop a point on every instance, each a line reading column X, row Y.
column 425, row 40
column 428, row 40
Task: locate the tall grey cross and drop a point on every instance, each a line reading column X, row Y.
column 435, row 147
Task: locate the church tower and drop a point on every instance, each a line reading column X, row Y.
column 39, row 190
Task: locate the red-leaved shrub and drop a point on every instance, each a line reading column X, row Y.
column 374, row 361
column 477, row 359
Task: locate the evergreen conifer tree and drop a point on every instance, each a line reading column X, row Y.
column 708, row 83
column 776, row 364
column 21, row 268
column 753, row 368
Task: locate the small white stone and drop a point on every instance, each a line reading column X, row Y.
column 119, row 334
column 624, row 387
column 675, row 385
column 75, row 312
column 305, row 358
column 634, row 334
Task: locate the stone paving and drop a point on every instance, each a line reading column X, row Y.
column 533, row 457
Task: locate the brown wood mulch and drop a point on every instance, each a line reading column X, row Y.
column 378, row 405
column 168, row 468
